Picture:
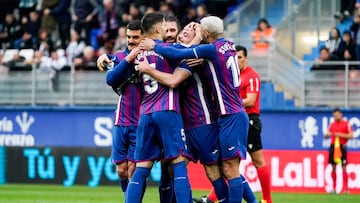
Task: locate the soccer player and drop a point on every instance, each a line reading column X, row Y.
column 197, row 112
column 173, row 28
column 250, row 94
column 160, row 133
column 123, row 79
column 339, row 131
column 233, row 122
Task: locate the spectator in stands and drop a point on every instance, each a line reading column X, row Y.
column 84, row 16
column 31, row 27
column 26, row 7
column 45, row 44
column 346, row 49
column 48, row 22
column 109, row 22
column 121, row 40
column 346, row 9
column 190, row 16
column 62, row 17
column 334, row 41
column 75, row 47
column 325, row 55
column 87, row 61
column 52, row 65
column 165, row 8
column 263, row 35
column 133, row 14
column 355, row 28
column 201, row 11
column 149, row 9
column 10, row 30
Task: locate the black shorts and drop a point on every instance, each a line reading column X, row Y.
column 254, row 135
column 343, row 156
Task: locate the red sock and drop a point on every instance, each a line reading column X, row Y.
column 265, row 182
column 212, row 195
column 333, row 176
column 345, row 181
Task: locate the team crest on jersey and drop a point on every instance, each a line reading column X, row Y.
column 309, row 129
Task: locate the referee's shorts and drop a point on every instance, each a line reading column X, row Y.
column 343, row 154
column 254, row 135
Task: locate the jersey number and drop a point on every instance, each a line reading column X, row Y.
column 232, row 63
column 151, row 84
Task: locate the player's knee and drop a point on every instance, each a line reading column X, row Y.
column 212, row 172
column 122, row 172
column 230, row 168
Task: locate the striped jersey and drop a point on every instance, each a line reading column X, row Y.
column 197, row 106
column 157, row 97
column 223, row 68
column 127, row 111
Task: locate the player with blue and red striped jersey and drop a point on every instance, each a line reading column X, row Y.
column 197, row 111
column 233, row 121
column 160, row 133
column 124, row 80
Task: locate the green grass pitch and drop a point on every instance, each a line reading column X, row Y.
column 31, row 193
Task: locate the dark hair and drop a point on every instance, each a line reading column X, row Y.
column 338, row 32
column 170, row 18
column 241, row 48
column 151, row 19
column 263, row 20
column 324, row 48
column 134, row 25
column 337, row 109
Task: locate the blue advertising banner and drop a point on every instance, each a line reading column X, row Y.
column 304, row 130
column 296, row 130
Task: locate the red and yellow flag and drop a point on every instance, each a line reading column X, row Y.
column 337, row 151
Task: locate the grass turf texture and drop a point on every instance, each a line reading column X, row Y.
column 14, row 193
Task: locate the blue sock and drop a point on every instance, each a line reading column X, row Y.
column 181, row 183
column 221, row 190
column 235, row 190
column 124, row 183
column 248, row 194
column 136, row 187
column 166, row 191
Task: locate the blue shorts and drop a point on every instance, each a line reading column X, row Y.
column 233, row 134
column 203, row 144
column 160, row 135
column 123, row 144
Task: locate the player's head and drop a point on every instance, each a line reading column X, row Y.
column 187, row 34
column 337, row 114
column 212, row 26
column 172, row 28
column 153, row 24
column 241, row 53
column 133, row 34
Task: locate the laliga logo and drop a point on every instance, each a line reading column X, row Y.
column 309, row 129
column 24, row 122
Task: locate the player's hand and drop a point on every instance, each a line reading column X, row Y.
column 101, row 61
column 133, row 54
column 143, row 66
column 193, row 63
column 147, row 44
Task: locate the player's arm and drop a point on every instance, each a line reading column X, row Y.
column 170, row 80
column 115, row 75
column 207, row 51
